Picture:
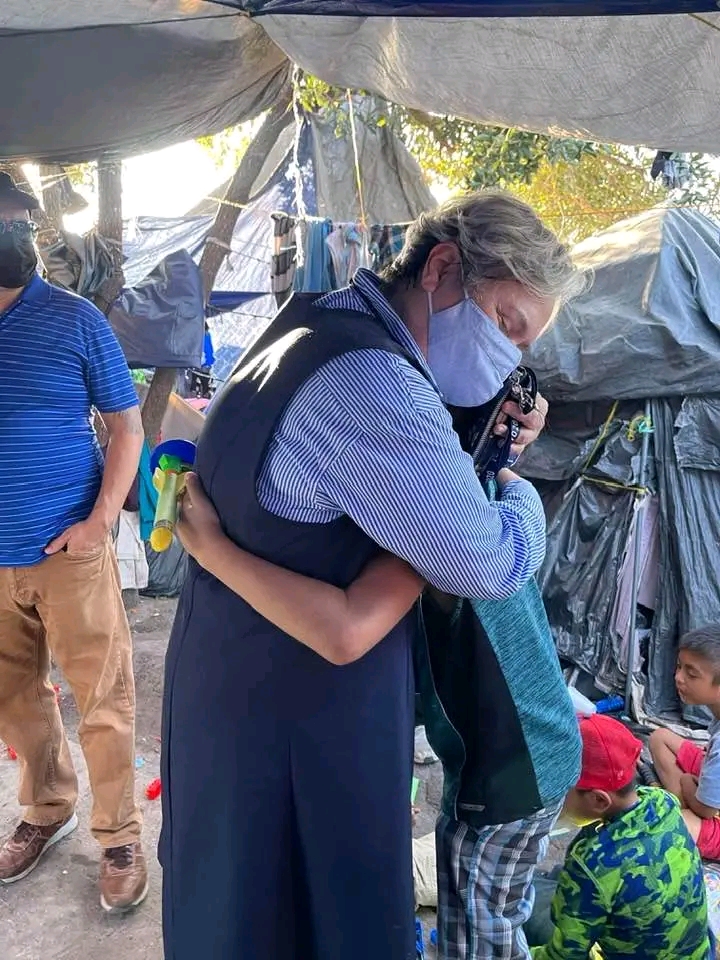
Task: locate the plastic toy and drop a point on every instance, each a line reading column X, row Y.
column 419, row 940
column 169, row 462
column 610, row 704
column 153, row 789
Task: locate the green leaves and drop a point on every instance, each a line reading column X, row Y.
column 577, row 186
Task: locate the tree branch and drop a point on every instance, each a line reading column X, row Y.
column 217, row 244
column 239, row 189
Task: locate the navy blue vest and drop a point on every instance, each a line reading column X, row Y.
column 286, row 780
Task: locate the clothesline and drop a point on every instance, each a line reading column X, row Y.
column 317, row 254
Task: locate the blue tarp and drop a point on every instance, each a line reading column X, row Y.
column 393, row 192
column 241, row 302
column 223, row 300
column 469, row 8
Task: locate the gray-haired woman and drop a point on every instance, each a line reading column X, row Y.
column 331, row 442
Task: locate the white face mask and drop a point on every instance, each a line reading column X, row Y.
column 468, row 354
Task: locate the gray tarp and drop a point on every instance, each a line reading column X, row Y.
column 689, row 550
column 91, row 76
column 393, row 185
column 652, row 80
column 84, row 77
column 649, row 329
column 650, row 325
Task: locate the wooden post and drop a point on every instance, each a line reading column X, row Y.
column 110, row 228
column 110, row 200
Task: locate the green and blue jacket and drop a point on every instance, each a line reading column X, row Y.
column 495, row 706
column 631, row 887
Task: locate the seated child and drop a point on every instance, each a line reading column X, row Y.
column 684, row 768
column 632, row 884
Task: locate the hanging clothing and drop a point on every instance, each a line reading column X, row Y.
column 314, row 272
column 285, row 779
column 384, row 242
column 284, row 258
column 349, row 246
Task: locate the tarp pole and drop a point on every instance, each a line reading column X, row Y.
column 637, row 559
column 110, row 227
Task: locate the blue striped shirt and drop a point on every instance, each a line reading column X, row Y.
column 59, row 359
column 368, row 436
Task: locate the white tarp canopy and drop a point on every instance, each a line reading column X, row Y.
column 650, row 80
column 84, row 77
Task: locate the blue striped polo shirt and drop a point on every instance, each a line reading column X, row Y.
column 59, row 359
column 368, row 436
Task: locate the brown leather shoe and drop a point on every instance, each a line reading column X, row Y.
column 21, row 852
column 123, row 878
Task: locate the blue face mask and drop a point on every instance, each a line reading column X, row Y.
column 468, row 354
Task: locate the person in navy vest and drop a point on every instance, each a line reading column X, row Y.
column 60, row 591
column 286, row 772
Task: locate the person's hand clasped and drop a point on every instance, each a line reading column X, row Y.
column 198, row 525
column 531, row 424
column 81, row 539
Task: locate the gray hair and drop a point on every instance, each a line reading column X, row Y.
column 499, row 238
column 705, row 642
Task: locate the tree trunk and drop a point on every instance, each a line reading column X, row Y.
column 156, row 401
column 52, row 194
column 217, row 244
column 238, row 193
column 110, row 228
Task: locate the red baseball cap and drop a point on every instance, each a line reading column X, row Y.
column 609, row 754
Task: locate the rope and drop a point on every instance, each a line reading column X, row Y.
column 639, row 424
column 601, row 436
column 614, row 485
column 299, row 198
column 707, row 23
column 356, row 155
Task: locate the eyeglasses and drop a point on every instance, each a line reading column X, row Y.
column 20, row 228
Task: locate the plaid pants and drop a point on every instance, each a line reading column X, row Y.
column 485, row 891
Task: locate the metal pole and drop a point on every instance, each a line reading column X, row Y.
column 637, row 558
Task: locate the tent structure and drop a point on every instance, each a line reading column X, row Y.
column 91, row 77
column 102, row 77
column 313, row 165
column 646, row 336
column 647, row 80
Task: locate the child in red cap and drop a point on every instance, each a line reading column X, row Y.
column 632, row 883
column 684, row 768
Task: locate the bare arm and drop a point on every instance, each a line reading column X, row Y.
column 689, row 800
column 339, row 625
column 125, row 440
column 122, row 457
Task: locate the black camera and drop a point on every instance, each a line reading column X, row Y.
column 474, row 425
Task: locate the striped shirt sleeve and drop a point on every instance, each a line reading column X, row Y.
column 404, row 479
column 110, row 384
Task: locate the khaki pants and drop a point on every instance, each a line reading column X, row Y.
column 70, row 607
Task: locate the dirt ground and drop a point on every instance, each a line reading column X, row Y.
column 55, row 913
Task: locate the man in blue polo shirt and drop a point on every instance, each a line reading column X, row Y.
column 60, row 593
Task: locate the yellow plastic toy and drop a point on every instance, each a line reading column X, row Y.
column 170, row 461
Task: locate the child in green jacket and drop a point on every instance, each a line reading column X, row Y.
column 632, row 884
